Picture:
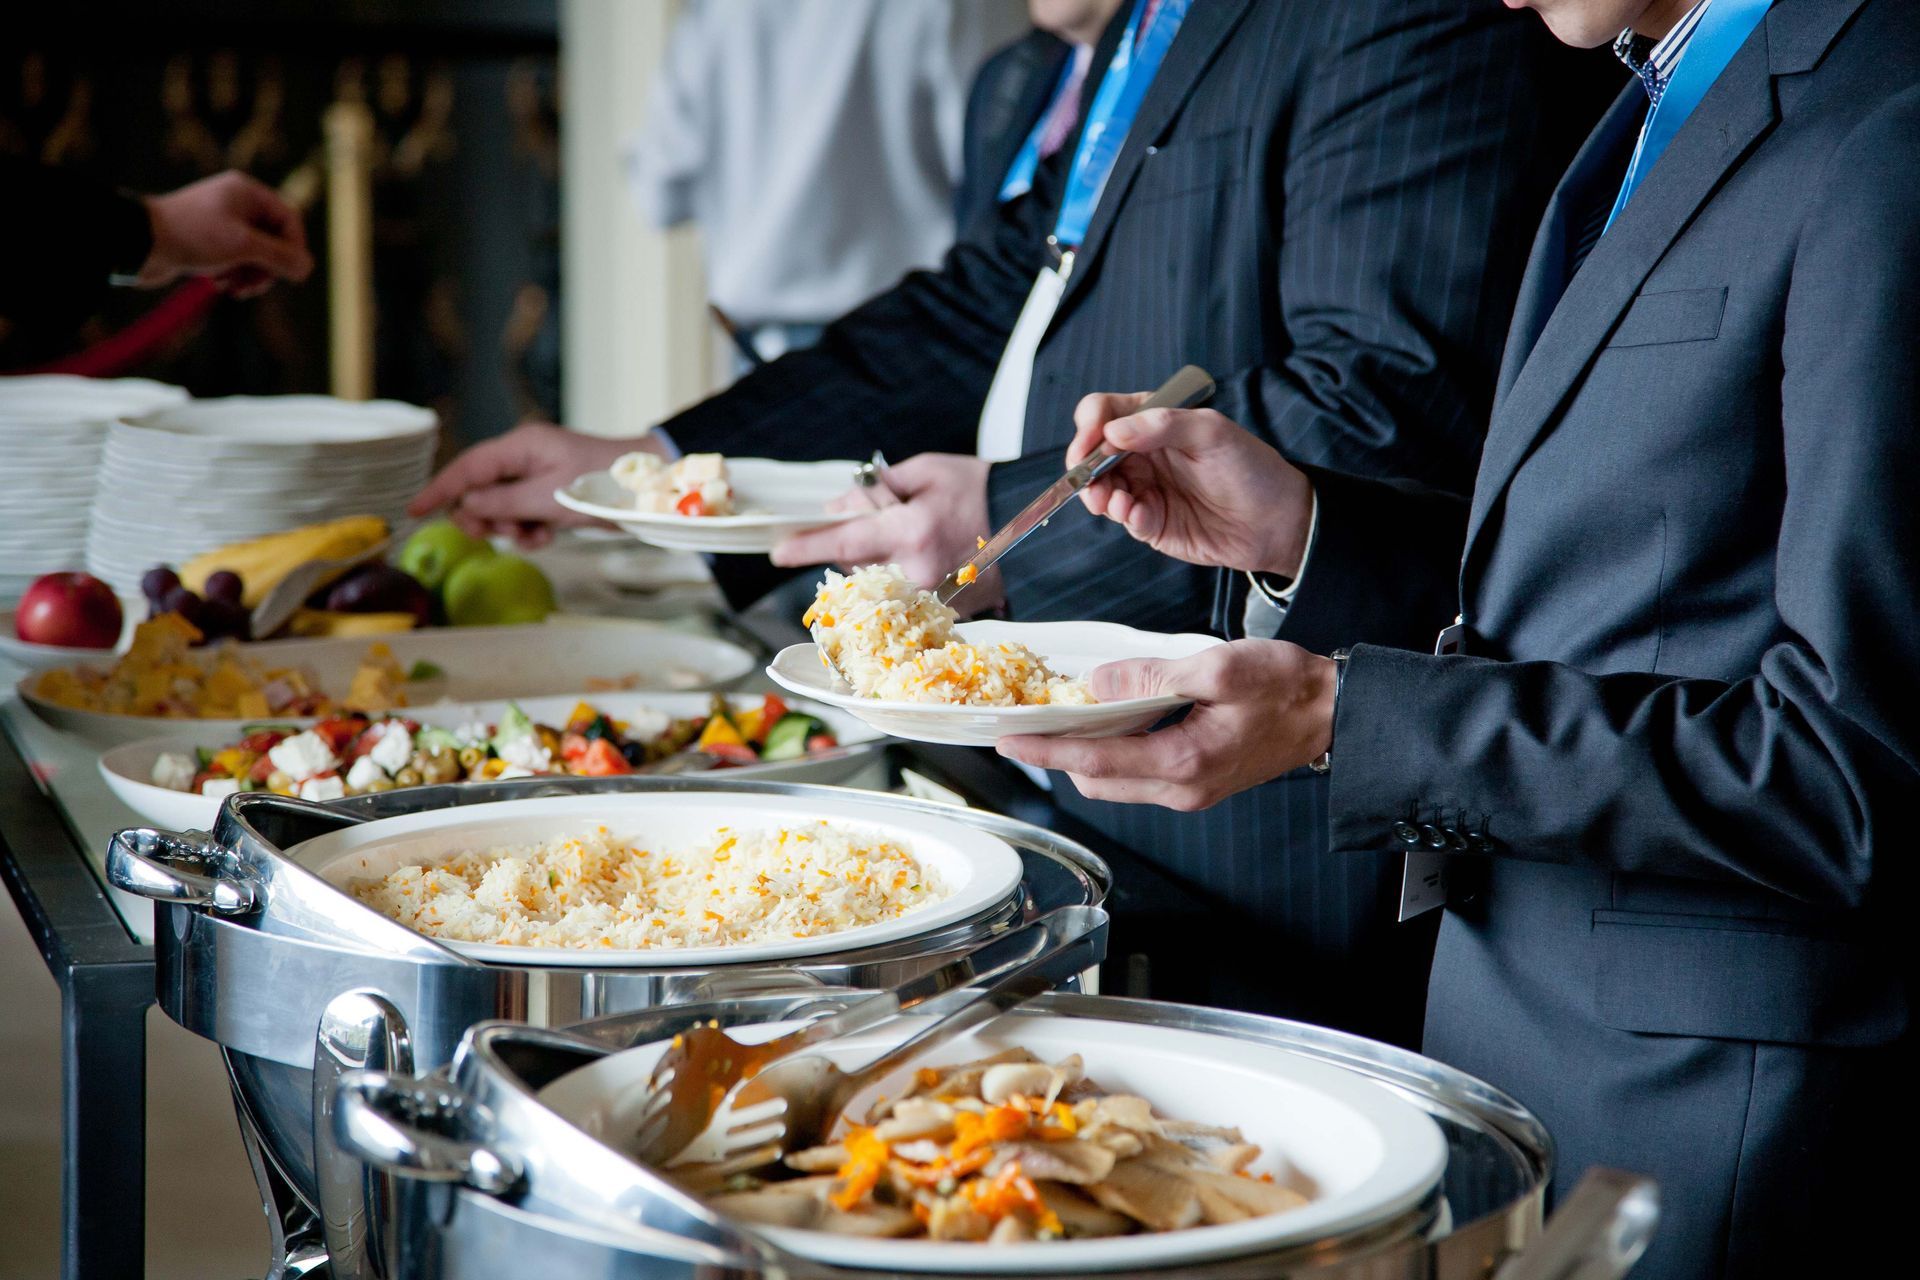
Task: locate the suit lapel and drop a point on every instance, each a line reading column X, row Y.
column 1205, row 28
column 1736, row 113
column 1593, row 176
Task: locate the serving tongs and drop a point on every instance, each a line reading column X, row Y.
column 793, row 1102
column 1190, row 386
column 703, row 1064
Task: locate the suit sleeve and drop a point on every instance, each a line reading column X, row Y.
column 1412, row 169
column 1800, row 778
column 63, row 237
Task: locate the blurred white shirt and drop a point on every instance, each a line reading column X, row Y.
column 816, row 143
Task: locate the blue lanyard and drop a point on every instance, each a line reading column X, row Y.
column 1128, row 77
column 1019, row 179
column 1724, row 27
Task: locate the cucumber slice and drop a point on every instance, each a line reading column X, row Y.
column 787, row 740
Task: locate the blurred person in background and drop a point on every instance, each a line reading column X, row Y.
column 64, row 239
column 816, row 144
column 1311, row 201
column 1026, row 101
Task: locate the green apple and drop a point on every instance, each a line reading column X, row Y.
column 436, row 549
column 490, row 590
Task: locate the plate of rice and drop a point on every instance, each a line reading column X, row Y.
column 704, row 502
column 677, row 880
column 912, row 669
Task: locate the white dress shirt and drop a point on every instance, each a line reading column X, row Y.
column 815, row 142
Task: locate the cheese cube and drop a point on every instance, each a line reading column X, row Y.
column 303, row 755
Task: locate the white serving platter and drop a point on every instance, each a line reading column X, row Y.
column 981, row 870
column 775, row 500
column 128, row 768
column 1360, row 1152
column 1070, row 648
column 481, row 664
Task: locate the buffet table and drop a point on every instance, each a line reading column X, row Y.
column 56, row 816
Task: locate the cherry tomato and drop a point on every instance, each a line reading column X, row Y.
column 732, row 753
column 691, row 505
column 603, row 760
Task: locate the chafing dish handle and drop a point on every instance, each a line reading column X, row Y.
column 1597, row 1233
column 142, row 860
column 401, row 1125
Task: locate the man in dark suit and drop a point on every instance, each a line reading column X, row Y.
column 1309, row 202
column 63, row 238
column 1673, row 752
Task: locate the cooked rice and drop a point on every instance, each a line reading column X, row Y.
column 591, row 890
column 897, row 643
column 996, row 675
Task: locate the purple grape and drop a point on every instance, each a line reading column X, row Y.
column 224, row 585
column 223, row 618
column 183, row 602
column 156, row 582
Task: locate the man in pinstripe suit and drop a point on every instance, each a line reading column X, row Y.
column 1315, row 202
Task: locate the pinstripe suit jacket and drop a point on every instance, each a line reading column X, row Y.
column 1317, row 203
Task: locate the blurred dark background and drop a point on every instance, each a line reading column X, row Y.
column 464, row 96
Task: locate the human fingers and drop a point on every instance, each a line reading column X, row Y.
column 265, row 210
column 519, row 502
column 507, row 457
column 849, row 542
column 1093, row 413
column 265, row 252
column 1206, row 676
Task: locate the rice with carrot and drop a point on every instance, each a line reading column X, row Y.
column 897, row 643
column 594, row 890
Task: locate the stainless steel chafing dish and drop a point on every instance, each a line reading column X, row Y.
column 297, row 982
column 489, row 1185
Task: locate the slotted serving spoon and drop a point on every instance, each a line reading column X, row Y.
column 704, row 1063
column 794, row 1103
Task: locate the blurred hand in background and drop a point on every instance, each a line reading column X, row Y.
column 231, row 227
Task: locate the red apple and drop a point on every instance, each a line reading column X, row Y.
column 74, row 610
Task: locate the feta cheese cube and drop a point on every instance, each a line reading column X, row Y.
column 219, row 788
column 174, row 770
column 303, row 755
column 393, row 748
column 696, row 468
column 325, row 788
column 364, row 774
column 526, row 754
column 637, row 471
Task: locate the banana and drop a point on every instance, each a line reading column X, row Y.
column 263, row 562
column 323, row 622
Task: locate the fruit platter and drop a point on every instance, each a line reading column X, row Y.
column 178, row 778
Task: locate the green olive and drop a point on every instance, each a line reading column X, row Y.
column 407, row 777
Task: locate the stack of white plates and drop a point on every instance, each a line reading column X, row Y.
column 204, row 474
column 52, row 430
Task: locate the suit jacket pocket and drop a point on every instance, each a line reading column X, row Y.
column 1184, row 166
column 1742, row 978
column 1675, row 315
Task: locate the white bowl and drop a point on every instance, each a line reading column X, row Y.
column 128, row 769
column 1362, row 1153
column 775, row 500
column 1070, row 648
column 981, row 870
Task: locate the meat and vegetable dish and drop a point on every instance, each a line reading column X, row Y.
column 1004, row 1150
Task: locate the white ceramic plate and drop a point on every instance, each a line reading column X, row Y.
column 67, row 396
column 775, row 499
column 1070, row 648
column 1362, row 1153
column 482, row 664
column 982, row 870
column 274, row 426
column 127, row 768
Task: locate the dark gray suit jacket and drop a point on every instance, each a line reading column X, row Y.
column 1687, row 733
column 1009, row 92
column 1313, row 204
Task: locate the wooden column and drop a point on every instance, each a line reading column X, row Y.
column 348, row 127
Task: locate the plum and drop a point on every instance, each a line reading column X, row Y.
column 381, row 588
